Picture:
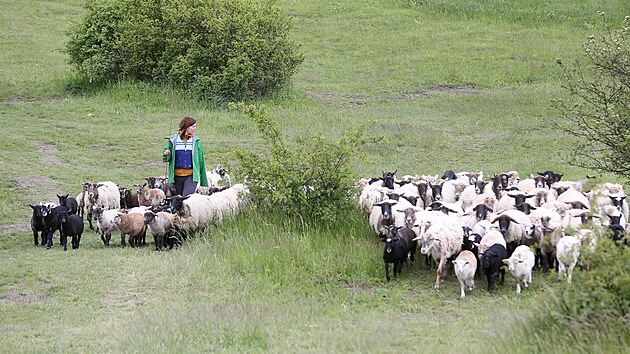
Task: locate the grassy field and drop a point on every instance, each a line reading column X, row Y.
column 453, row 85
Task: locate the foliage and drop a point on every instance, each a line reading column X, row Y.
column 309, row 179
column 599, row 113
column 217, row 50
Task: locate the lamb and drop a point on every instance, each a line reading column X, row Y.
column 131, row 224
column 452, row 190
column 105, row 223
column 442, row 240
column 520, row 264
column 492, row 260
column 52, row 223
column 465, row 268
column 568, row 251
column 398, row 247
column 37, row 221
column 69, row 202
column 381, row 217
column 161, row 227
column 102, row 194
column 218, row 174
column 370, row 196
column 71, row 225
column 150, row 197
column 128, row 199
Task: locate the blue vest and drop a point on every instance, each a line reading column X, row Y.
column 183, row 152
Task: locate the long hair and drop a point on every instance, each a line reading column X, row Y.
column 184, row 124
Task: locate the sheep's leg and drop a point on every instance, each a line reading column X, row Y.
column 103, row 237
column 570, row 273
column 561, row 269
column 461, row 287
column 122, row 240
column 64, row 241
column 387, row 270
column 545, row 262
column 89, row 218
column 439, row 272
column 518, row 286
column 36, row 237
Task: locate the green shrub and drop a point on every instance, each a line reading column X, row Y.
column 216, row 50
column 309, row 179
column 592, row 312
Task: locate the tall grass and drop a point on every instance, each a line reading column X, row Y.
column 452, row 85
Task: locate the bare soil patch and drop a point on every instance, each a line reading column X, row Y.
column 17, row 100
column 43, row 147
column 29, row 182
column 52, row 160
column 11, row 294
column 17, row 227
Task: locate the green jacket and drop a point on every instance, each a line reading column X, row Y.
column 198, row 162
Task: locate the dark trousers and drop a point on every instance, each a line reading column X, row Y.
column 184, row 185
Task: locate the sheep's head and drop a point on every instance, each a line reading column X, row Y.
column 429, row 242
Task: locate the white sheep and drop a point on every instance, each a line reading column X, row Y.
column 465, row 267
column 105, row 223
column 574, row 198
column 451, row 190
column 490, row 238
column 381, row 217
column 102, row 194
column 218, row 177
column 567, row 254
column 520, row 265
column 515, row 227
column 442, row 240
column 370, row 196
column 229, row 202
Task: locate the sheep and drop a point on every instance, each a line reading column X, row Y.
column 441, row 240
column 568, row 251
column 483, row 227
column 492, row 260
column 452, row 190
column 465, row 268
column 529, row 184
column 574, row 197
column 131, row 224
column 69, row 202
column 551, row 177
column 470, row 242
column 52, row 223
column 194, row 212
column 520, row 265
column 105, row 223
column 102, row 194
column 541, row 196
column 471, row 193
column 490, row 238
column 169, row 189
column 218, row 174
column 160, row 225
column 149, row 197
column 381, row 217
column 128, row 198
column 71, row 225
column 38, row 222
column 370, row 196
column 515, row 226
column 229, row 202
column 399, row 246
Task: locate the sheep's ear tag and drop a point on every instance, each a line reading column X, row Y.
column 389, row 240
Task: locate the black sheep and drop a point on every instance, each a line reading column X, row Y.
column 52, row 223
column 493, row 264
column 398, row 246
column 37, row 222
column 71, row 225
column 69, row 202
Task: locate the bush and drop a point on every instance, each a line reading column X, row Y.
column 217, row 50
column 591, row 314
column 309, row 180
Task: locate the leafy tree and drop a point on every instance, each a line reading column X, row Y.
column 599, row 112
column 215, row 49
column 309, row 179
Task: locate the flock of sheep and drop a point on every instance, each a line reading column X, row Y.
column 153, row 207
column 503, row 222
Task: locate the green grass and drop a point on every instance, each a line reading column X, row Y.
column 461, row 85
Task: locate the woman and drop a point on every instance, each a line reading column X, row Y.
column 184, row 154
